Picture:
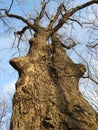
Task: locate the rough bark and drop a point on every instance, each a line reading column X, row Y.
column 47, row 95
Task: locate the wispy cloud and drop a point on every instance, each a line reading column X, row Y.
column 9, row 89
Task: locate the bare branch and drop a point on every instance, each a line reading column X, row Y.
column 92, row 46
column 89, row 77
column 47, row 15
column 23, row 30
column 74, row 20
column 56, row 16
column 70, row 13
column 11, row 5
column 32, row 26
column 20, row 33
column 62, row 44
column 69, row 46
column 5, row 23
column 41, row 13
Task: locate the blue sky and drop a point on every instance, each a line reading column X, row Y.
column 8, row 74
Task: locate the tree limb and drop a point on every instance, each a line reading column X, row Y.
column 75, row 21
column 20, row 33
column 89, row 77
column 92, row 46
column 70, row 13
column 22, row 19
column 69, row 46
column 23, row 30
column 56, row 39
column 11, row 5
column 41, row 13
column 56, row 16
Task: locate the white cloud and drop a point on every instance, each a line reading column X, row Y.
column 9, row 89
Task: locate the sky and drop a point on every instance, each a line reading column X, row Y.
column 8, row 76
column 7, row 73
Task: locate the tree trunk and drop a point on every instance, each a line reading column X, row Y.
column 47, row 96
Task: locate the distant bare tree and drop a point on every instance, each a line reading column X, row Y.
column 5, row 113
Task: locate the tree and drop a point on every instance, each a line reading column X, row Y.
column 5, row 112
column 47, row 95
